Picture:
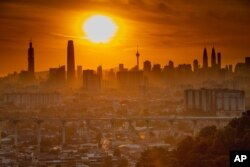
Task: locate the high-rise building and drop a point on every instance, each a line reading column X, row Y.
column 205, row 59
column 247, row 61
column 213, row 59
column 230, row 68
column 79, row 72
column 147, row 66
column 171, row 64
column 129, row 79
column 70, row 61
column 219, row 60
column 195, row 65
column 91, row 80
column 121, row 67
column 137, row 58
column 99, row 71
column 31, row 61
column 156, row 68
column 57, row 75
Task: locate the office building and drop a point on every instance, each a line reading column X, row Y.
column 195, row 65
column 205, row 59
column 219, row 60
column 31, row 60
column 79, row 72
column 147, row 66
column 213, row 59
column 57, row 75
column 70, row 61
column 91, row 80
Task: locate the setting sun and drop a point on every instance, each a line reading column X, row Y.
column 99, row 28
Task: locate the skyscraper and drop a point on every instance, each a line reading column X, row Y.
column 219, row 60
column 31, row 61
column 99, row 71
column 147, row 66
column 79, row 72
column 70, row 61
column 171, row 64
column 205, row 59
column 195, row 65
column 137, row 58
column 213, row 59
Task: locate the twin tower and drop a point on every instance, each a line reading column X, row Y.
column 214, row 64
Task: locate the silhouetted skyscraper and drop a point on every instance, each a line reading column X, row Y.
column 57, row 75
column 213, row 59
column 70, row 61
column 79, row 72
column 205, row 59
column 31, row 61
column 91, row 80
column 99, row 71
column 137, row 58
column 247, row 61
column 219, row 60
column 147, row 66
column 195, row 65
column 171, row 64
column 156, row 68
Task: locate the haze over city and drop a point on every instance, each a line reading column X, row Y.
column 124, row 83
column 163, row 30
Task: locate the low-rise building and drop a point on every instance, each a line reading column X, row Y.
column 219, row 101
column 32, row 99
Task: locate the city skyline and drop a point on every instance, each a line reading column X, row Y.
column 74, row 70
column 124, row 83
column 176, row 31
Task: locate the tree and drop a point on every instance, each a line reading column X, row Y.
column 210, row 148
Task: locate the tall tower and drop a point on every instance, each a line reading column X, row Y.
column 171, row 64
column 70, row 61
column 137, row 58
column 213, row 59
column 195, row 65
column 31, row 61
column 219, row 60
column 147, row 66
column 205, row 59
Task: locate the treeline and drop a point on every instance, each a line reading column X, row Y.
column 210, row 148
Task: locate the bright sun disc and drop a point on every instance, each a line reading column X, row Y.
column 99, row 28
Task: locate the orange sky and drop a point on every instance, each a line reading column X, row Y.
column 164, row 30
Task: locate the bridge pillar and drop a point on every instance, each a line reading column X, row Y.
column 15, row 133
column 63, row 132
column 81, row 129
column 88, row 130
column 172, row 127
column 0, row 135
column 147, row 130
column 39, row 123
column 218, row 123
column 112, row 122
column 195, row 128
column 130, row 128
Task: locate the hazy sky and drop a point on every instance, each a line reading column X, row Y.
column 165, row 30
